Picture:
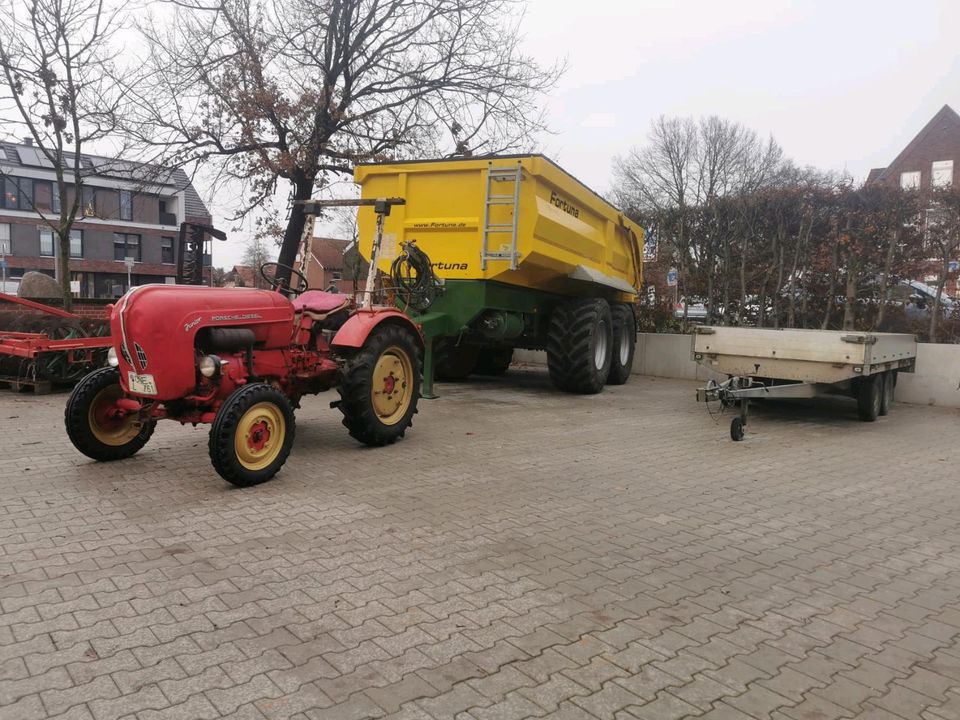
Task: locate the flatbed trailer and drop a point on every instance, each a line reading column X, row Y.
column 765, row 363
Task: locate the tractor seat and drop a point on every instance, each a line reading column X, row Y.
column 318, row 304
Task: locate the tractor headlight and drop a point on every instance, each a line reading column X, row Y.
column 209, row 366
column 112, row 360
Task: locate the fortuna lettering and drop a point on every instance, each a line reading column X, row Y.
column 449, row 266
column 559, row 202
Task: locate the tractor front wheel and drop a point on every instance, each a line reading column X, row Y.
column 380, row 385
column 96, row 426
column 252, row 434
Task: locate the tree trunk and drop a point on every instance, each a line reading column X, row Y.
column 834, row 259
column 63, row 269
column 935, row 310
column 849, row 306
column 885, row 277
column 302, row 190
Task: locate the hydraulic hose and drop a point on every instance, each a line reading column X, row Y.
column 413, row 278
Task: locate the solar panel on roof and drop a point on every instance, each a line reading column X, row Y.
column 33, row 157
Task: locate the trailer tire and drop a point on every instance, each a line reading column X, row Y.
column 579, row 345
column 453, row 363
column 736, row 429
column 252, row 435
column 889, row 383
column 371, row 416
column 91, row 430
column 624, row 344
column 870, row 397
column 493, row 361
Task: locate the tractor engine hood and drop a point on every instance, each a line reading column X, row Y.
column 154, row 328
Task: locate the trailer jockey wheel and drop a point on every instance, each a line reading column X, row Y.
column 96, row 426
column 736, row 429
column 252, row 434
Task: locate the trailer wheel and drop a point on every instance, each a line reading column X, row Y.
column 870, row 397
column 252, row 435
column 889, row 383
column 93, row 424
column 579, row 345
column 380, row 386
column 493, row 361
column 736, row 429
column 453, row 363
column 624, row 344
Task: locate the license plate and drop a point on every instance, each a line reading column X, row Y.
column 142, row 384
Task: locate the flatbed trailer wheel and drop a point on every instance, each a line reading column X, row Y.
column 95, row 425
column 452, row 362
column 624, row 344
column 252, row 435
column 380, row 386
column 579, row 345
column 889, row 384
column 870, row 397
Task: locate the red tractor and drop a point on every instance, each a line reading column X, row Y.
column 240, row 360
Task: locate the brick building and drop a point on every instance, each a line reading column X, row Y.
column 330, row 265
column 927, row 160
column 127, row 210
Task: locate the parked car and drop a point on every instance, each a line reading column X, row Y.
column 918, row 298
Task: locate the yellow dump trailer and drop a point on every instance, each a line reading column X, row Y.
column 527, row 256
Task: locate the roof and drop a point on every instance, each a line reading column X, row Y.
column 946, row 115
column 329, row 252
column 97, row 166
column 874, row 174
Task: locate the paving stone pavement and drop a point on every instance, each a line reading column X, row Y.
column 522, row 553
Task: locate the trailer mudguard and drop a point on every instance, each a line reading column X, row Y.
column 355, row 331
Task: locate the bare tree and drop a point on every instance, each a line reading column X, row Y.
column 942, row 235
column 298, row 91
column 57, row 87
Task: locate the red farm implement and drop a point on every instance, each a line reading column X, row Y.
column 48, row 347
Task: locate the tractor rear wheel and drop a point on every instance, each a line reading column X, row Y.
column 380, row 385
column 252, row 435
column 95, row 425
column 579, row 345
column 494, row 361
column 624, row 344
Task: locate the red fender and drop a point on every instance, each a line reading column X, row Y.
column 355, row 331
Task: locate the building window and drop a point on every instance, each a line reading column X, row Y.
column 126, row 205
column 89, row 197
column 126, row 245
column 46, row 243
column 5, row 248
column 76, row 243
column 166, row 250
column 17, row 193
column 941, row 173
column 910, row 180
column 336, row 275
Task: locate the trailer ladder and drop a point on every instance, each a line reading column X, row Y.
column 510, row 199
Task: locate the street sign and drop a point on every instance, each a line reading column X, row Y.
column 130, row 262
column 3, row 263
column 953, row 266
column 672, row 277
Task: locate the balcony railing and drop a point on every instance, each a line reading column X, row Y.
column 168, row 218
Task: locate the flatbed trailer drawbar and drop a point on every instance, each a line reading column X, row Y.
column 765, row 363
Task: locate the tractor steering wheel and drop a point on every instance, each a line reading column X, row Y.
column 283, row 285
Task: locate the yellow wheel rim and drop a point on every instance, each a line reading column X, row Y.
column 259, row 436
column 392, row 387
column 106, row 424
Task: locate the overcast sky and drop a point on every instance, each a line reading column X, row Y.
column 841, row 84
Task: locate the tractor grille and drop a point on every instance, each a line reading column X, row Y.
column 141, row 356
column 126, row 355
